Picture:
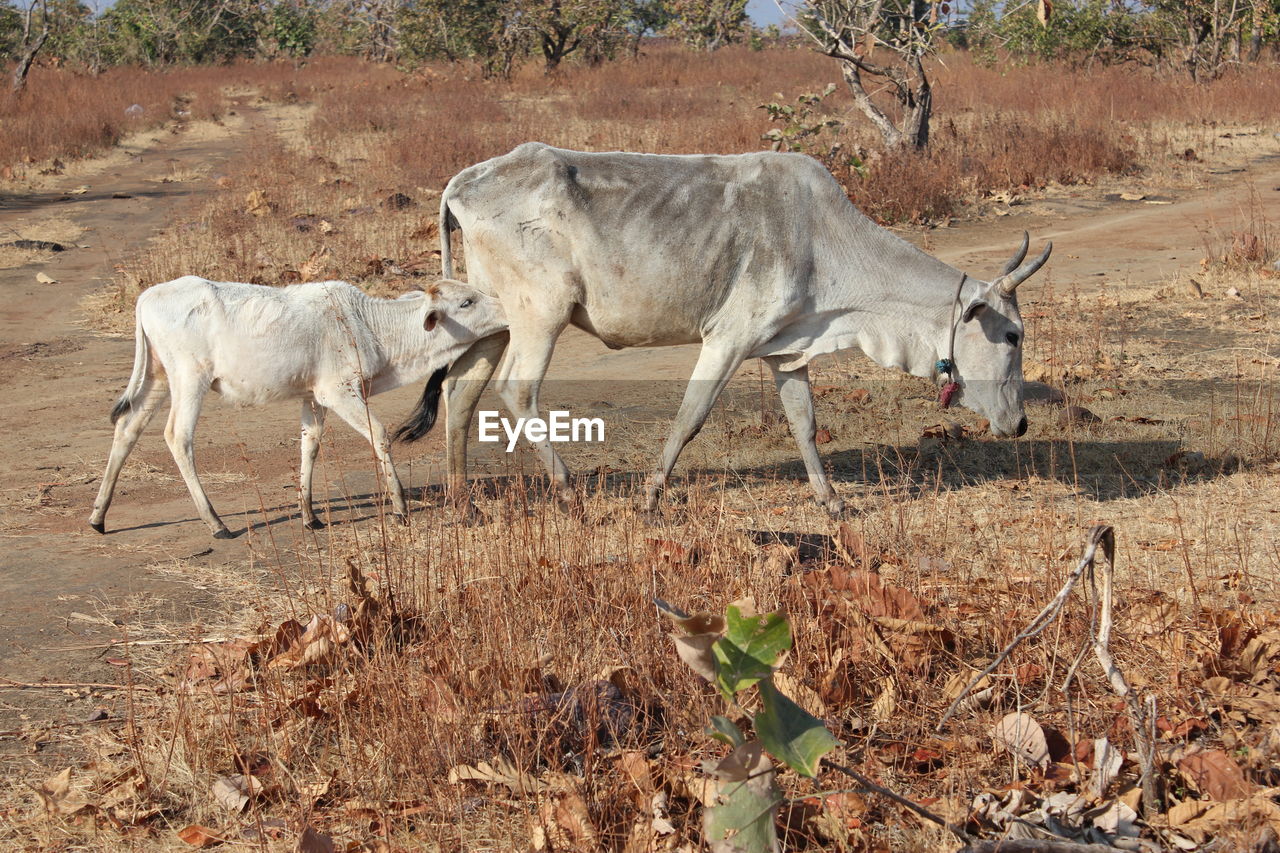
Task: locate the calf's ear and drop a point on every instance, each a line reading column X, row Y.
column 429, row 322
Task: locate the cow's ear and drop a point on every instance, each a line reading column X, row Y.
column 972, row 309
column 429, row 322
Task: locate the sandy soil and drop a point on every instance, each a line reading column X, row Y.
column 68, row 592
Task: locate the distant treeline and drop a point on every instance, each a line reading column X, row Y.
column 1202, row 36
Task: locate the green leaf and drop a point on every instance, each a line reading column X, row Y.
column 790, row 733
column 724, row 729
column 742, row 820
column 751, row 648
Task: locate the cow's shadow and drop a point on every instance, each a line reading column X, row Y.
column 1095, row 469
column 1100, row 470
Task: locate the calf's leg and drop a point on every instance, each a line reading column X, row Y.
column 355, row 411
column 797, row 401
column 312, row 430
column 129, row 427
column 179, row 434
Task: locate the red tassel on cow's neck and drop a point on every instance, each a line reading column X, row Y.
column 948, row 391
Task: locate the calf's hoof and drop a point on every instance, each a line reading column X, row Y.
column 315, row 524
column 100, row 526
column 224, row 533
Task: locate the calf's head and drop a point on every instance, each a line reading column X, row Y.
column 456, row 315
column 988, row 344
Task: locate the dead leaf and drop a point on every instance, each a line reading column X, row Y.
column 822, row 436
column 565, row 824
column 314, row 842
column 80, row 190
column 1215, row 774
column 500, row 771
column 318, row 644
column 44, row 278
column 199, row 836
column 312, row 268
column 1127, row 196
column 1024, row 737
column 58, row 796
column 255, row 203
column 1107, row 761
column 234, row 792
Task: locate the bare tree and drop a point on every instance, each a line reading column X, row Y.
column 886, row 40
column 31, row 43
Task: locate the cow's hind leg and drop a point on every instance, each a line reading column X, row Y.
column 463, row 388
column 797, row 402
column 129, row 427
column 519, row 380
column 179, row 434
column 355, row 412
column 715, row 367
column 312, row 430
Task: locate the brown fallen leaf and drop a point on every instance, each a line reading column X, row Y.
column 199, row 836
column 58, row 797
column 1215, row 774
column 318, row 644
column 822, row 436
column 312, row 841
column 500, row 771
column 565, row 824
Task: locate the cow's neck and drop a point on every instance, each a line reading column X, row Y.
column 900, row 301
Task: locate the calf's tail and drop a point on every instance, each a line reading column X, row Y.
column 141, row 364
column 423, row 417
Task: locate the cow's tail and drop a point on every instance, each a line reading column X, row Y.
column 423, row 417
column 447, row 226
column 141, row 365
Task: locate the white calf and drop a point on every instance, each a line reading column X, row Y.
column 327, row 343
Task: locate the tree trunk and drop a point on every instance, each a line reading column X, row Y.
column 28, row 57
column 893, row 137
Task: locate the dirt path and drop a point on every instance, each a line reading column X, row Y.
column 66, row 588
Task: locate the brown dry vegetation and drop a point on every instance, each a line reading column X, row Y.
column 532, row 639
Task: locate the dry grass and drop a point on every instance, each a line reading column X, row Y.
column 479, row 633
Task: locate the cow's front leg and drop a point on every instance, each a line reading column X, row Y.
column 715, row 367
column 797, row 402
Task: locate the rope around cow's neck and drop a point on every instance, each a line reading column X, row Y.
column 947, row 366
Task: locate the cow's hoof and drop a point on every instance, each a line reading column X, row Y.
column 836, row 509
column 570, row 503
column 401, row 518
column 100, row 526
column 224, row 533
column 650, row 517
column 315, row 524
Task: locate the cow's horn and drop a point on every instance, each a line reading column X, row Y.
column 1010, row 281
column 1018, row 255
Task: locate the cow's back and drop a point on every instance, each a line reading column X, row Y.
column 652, row 249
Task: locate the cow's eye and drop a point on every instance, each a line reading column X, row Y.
column 1012, row 338
column 467, row 303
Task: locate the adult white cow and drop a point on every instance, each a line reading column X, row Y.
column 327, row 343
column 752, row 255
